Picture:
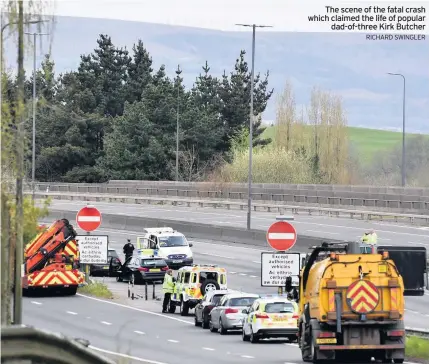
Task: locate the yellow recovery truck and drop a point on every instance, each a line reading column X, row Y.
column 352, row 303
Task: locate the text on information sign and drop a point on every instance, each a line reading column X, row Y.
column 93, row 249
column 277, row 266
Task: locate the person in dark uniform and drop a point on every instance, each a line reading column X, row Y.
column 128, row 249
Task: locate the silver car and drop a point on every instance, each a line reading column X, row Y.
column 227, row 314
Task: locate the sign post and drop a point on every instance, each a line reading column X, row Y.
column 89, row 219
column 277, row 266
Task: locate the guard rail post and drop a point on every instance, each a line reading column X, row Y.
column 153, row 291
column 145, row 290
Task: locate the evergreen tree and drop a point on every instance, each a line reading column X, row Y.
column 235, row 94
column 139, row 72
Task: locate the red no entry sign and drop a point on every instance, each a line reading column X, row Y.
column 88, row 218
column 281, row 235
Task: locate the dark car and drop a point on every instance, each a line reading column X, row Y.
column 142, row 269
column 202, row 309
column 109, row 269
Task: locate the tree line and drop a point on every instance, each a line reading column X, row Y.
column 115, row 117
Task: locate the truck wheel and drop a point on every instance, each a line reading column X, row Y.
column 209, row 285
column 205, row 323
column 400, row 361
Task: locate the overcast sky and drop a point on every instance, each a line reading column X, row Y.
column 283, row 15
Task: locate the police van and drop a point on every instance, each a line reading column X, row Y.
column 166, row 243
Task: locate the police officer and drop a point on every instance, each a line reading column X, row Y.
column 373, row 237
column 168, row 289
column 128, row 249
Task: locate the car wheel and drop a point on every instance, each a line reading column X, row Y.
column 211, row 326
column 253, row 338
column 205, row 322
column 184, row 308
column 244, row 336
column 222, row 330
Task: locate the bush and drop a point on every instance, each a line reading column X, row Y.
column 96, row 289
column 270, row 165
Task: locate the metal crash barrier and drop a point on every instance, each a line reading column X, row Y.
column 28, row 343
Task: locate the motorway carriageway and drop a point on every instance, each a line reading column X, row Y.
column 316, row 226
column 149, row 334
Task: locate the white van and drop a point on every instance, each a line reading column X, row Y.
column 168, row 244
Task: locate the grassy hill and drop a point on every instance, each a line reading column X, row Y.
column 368, row 142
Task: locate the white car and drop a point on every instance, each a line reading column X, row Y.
column 168, row 244
column 273, row 317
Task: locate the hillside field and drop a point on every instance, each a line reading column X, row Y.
column 366, row 141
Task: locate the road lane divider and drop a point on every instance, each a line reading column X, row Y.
column 125, row 356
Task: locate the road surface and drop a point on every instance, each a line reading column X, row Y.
column 244, row 270
column 317, row 226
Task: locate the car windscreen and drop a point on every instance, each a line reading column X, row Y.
column 241, row 301
column 112, row 254
column 153, row 262
column 173, row 240
column 216, row 298
column 279, row 307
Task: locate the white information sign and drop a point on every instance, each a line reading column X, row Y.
column 93, row 249
column 276, row 267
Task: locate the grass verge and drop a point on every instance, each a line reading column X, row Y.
column 96, row 289
column 417, row 348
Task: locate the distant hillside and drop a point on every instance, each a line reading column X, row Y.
column 346, row 64
column 368, row 142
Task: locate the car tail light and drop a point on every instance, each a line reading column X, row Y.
column 142, row 269
column 261, row 316
column 230, row 310
column 295, row 316
column 210, row 307
column 164, row 268
column 326, row 334
column 396, row 333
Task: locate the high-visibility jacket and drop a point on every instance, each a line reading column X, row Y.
column 168, row 284
column 373, row 238
column 366, row 238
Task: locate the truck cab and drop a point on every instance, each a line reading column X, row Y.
column 168, row 244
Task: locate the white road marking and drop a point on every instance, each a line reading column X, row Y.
column 209, row 349
column 125, row 356
column 135, row 309
column 248, row 357
column 173, row 341
column 71, row 313
column 242, row 274
column 36, row 303
column 215, row 255
column 232, row 272
column 105, row 323
column 318, row 231
column 253, row 276
column 256, row 261
column 139, row 332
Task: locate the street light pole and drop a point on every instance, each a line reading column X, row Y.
column 249, row 189
column 177, row 132
column 403, row 128
column 33, row 161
